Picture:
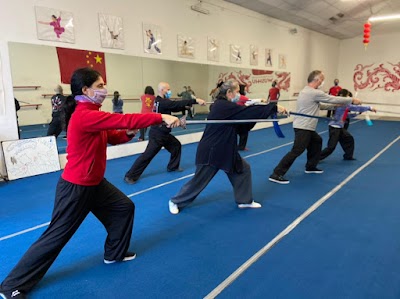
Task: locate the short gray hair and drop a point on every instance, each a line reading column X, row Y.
column 229, row 85
column 161, row 86
column 313, row 76
column 58, row 89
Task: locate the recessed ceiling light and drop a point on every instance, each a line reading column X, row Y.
column 384, row 18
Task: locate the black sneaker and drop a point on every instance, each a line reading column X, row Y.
column 12, row 294
column 129, row 181
column 313, row 170
column 349, row 159
column 278, row 179
column 128, row 257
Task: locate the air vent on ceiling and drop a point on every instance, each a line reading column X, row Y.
column 199, row 8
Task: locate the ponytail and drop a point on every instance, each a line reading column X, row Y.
column 67, row 109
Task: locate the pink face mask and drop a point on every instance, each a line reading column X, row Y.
column 99, row 95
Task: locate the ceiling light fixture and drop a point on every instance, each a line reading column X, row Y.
column 384, row 18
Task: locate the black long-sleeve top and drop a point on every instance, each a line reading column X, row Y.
column 166, row 106
column 218, row 146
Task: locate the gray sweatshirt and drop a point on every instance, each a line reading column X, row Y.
column 308, row 103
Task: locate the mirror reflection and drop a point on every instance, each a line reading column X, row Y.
column 39, row 91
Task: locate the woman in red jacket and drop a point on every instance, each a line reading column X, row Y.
column 82, row 187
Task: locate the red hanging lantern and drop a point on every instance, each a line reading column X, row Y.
column 367, row 34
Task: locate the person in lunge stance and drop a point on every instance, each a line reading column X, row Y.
column 218, row 150
column 82, row 187
column 338, row 132
column 304, row 127
column 160, row 136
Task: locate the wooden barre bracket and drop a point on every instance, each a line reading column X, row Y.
column 27, row 87
column 31, row 105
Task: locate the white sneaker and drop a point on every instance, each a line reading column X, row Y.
column 173, row 208
column 253, row 205
column 313, row 170
column 128, row 257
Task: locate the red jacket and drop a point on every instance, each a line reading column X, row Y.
column 89, row 131
column 334, row 90
column 242, row 100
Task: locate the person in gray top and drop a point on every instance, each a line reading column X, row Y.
column 305, row 137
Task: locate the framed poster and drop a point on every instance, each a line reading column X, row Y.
column 186, row 47
column 268, row 57
column 253, row 55
column 213, row 47
column 152, row 39
column 54, row 25
column 111, row 32
column 235, row 54
column 282, row 61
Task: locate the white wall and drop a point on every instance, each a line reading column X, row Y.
column 229, row 23
column 383, row 49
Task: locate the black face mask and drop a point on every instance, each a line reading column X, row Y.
column 336, row 83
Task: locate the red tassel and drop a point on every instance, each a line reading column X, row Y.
column 346, row 112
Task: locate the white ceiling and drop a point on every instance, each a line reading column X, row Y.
column 349, row 15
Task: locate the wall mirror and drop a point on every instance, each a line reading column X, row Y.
column 36, row 72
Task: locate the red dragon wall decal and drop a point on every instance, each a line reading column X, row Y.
column 257, row 77
column 377, row 77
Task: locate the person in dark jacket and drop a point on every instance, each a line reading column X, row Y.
column 17, row 108
column 57, row 101
column 160, row 136
column 218, row 150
